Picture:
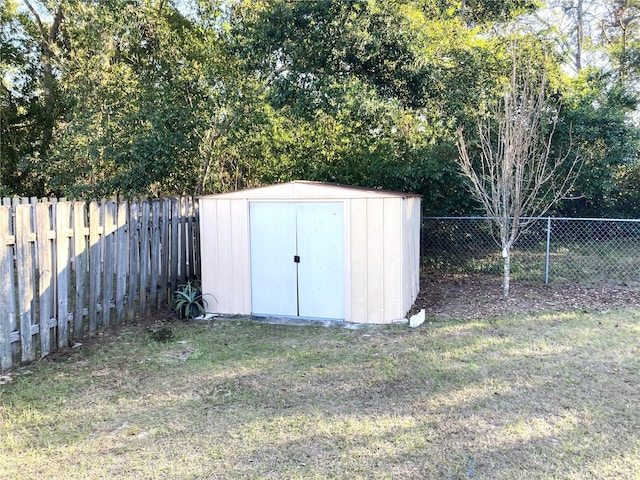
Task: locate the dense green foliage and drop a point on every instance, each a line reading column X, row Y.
column 153, row 97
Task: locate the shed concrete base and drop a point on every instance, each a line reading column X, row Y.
column 297, row 321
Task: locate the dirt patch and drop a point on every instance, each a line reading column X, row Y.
column 480, row 296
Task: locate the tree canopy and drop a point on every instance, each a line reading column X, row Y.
column 156, row 97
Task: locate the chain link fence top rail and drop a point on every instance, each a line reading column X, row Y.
column 580, row 251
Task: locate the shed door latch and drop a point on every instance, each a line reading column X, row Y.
column 296, row 258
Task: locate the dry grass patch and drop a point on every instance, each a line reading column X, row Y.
column 547, row 396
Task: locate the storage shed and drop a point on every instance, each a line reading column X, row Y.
column 311, row 250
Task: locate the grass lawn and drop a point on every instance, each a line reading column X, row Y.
column 546, row 396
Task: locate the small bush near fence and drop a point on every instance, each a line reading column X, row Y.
column 72, row 268
column 552, row 250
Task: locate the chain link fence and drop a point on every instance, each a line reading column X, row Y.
column 579, row 251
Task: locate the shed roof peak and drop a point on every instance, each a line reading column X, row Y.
column 310, row 189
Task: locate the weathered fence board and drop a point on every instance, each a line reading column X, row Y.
column 45, row 273
column 7, row 301
column 68, row 269
column 63, row 273
column 184, row 253
column 13, row 318
column 155, row 246
column 24, row 263
column 80, row 257
column 190, row 239
column 164, row 252
column 134, row 256
column 173, row 269
column 108, row 241
column 95, row 255
column 122, row 247
column 196, row 240
column 144, row 258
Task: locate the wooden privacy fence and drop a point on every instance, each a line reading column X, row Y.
column 68, row 269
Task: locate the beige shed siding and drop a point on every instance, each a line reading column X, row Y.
column 225, row 262
column 374, row 246
column 208, row 247
column 376, row 260
column 348, row 298
column 358, row 259
column 392, row 259
column 240, row 267
column 224, row 241
column 411, row 248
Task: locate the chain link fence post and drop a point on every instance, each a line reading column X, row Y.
column 548, row 252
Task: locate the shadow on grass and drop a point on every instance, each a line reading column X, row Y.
column 548, row 396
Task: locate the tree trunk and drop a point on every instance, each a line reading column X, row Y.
column 506, row 253
column 579, row 35
column 50, row 38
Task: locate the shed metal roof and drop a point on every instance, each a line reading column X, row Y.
column 304, row 189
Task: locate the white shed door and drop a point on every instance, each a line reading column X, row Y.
column 297, row 259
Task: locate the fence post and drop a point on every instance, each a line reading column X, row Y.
column 548, row 253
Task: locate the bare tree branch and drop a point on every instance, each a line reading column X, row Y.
column 37, row 17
